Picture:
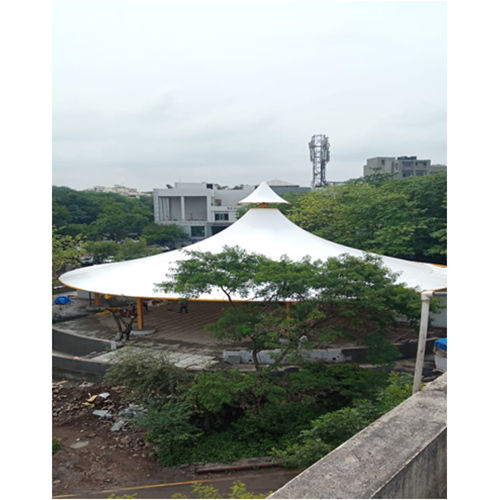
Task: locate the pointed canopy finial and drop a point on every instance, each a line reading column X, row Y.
column 263, row 194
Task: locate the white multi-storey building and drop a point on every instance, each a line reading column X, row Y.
column 201, row 209
column 401, row 166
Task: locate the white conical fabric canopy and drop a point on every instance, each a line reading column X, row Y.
column 263, row 194
column 260, row 230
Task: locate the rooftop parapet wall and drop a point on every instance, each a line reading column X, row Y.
column 401, row 455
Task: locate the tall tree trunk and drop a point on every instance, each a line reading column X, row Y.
column 116, row 317
column 255, row 360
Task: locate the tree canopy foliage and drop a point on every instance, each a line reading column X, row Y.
column 98, row 216
column 66, row 253
column 359, row 292
column 403, row 218
column 109, row 225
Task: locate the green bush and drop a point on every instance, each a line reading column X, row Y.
column 336, row 384
column 238, row 490
column 56, row 445
column 168, row 426
column 274, row 422
column 145, row 377
column 213, row 390
column 223, row 446
column 379, row 350
column 334, row 428
column 303, row 453
column 228, row 415
column 399, row 388
column 254, row 434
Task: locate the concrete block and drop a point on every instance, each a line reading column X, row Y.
column 117, row 426
column 142, row 333
column 102, row 414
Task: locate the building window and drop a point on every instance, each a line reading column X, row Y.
column 197, row 231
column 221, row 216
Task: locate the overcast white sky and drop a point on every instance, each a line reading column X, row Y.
column 149, row 93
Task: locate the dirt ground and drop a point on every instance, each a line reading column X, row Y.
column 93, row 460
column 91, row 455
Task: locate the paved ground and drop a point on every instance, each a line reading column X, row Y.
column 170, row 326
column 180, row 337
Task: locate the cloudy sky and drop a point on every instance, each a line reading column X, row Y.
column 150, row 93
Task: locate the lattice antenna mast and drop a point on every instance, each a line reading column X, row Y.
column 319, row 149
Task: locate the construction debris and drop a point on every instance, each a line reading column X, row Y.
column 118, row 425
column 103, row 414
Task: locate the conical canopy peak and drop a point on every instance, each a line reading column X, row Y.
column 263, row 194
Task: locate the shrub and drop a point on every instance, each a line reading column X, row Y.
column 399, row 388
column 168, row 427
column 274, row 422
column 304, row 453
column 336, row 384
column 238, row 490
column 334, row 428
column 379, row 350
column 145, row 376
column 213, row 390
column 222, row 446
column 56, row 445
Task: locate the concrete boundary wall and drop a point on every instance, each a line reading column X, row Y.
column 79, row 345
column 347, row 354
column 68, row 366
column 401, row 455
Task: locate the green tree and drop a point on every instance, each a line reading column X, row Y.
column 66, row 253
column 72, row 207
column 102, row 250
column 100, row 216
column 166, row 235
column 117, row 226
column 403, row 218
column 130, row 249
column 359, row 290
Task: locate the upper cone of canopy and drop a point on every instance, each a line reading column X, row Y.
column 263, row 194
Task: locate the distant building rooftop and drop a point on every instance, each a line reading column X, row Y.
column 279, row 183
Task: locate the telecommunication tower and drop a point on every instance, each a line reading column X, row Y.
column 319, row 149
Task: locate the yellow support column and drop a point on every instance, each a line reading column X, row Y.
column 140, row 317
column 97, row 299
